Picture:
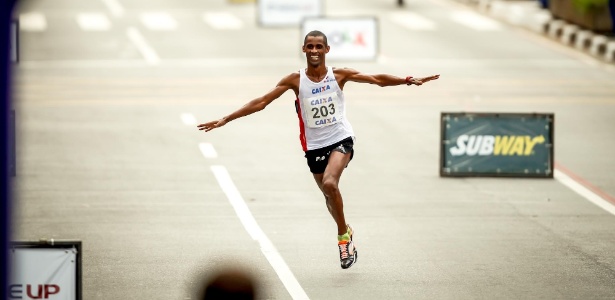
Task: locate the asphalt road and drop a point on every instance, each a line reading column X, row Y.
column 108, row 154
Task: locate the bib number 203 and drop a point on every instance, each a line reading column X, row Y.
column 323, row 111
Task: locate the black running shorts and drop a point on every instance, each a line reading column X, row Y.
column 317, row 159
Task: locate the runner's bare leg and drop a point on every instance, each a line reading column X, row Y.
column 328, row 182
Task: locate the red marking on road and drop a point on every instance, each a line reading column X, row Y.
column 604, row 195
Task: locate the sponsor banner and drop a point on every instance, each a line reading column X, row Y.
column 352, row 38
column 496, row 144
column 278, row 13
column 45, row 271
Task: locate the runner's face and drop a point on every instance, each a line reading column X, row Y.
column 315, row 49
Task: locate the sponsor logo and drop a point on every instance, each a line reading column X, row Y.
column 320, row 89
column 499, row 145
column 321, row 101
column 320, row 158
column 345, row 37
column 290, row 7
column 341, row 149
column 39, row 291
column 325, row 121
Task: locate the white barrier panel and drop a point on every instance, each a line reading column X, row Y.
column 287, row 12
column 14, row 41
column 353, row 38
column 43, row 274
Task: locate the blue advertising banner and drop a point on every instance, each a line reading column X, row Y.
column 496, row 144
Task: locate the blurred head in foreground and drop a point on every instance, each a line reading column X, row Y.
column 228, row 284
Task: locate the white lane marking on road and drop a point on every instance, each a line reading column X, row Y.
column 148, row 52
column 222, row 20
column 208, row 150
column 93, row 21
column 159, row 21
column 475, row 21
column 583, row 191
column 32, row 21
column 114, row 7
column 249, row 223
column 412, row 21
column 188, row 119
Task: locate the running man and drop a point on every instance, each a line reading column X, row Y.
column 326, row 135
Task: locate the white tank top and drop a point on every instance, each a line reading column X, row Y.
column 321, row 111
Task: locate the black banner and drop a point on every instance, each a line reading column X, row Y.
column 496, row 144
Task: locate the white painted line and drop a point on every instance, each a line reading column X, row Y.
column 32, row 22
column 475, row 21
column 148, row 52
column 208, row 150
column 114, row 7
column 93, row 21
column 159, row 21
column 412, row 21
column 249, row 223
column 583, row 191
column 222, row 20
column 188, row 119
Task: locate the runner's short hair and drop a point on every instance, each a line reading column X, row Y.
column 316, row 33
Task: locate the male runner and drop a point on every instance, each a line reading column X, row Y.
column 326, row 135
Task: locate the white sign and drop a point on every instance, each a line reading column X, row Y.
column 349, row 38
column 43, row 274
column 287, row 12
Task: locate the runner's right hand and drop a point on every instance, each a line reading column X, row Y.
column 211, row 125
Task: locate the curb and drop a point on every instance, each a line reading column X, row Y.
column 529, row 15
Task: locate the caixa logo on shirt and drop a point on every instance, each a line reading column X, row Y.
column 320, row 89
column 504, row 145
column 31, row 291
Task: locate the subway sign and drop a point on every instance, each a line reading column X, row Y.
column 496, row 144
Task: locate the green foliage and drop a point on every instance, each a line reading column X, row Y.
column 585, row 6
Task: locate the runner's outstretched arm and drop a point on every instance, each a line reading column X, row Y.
column 253, row 106
column 348, row 74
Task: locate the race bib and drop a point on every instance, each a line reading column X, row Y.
column 323, row 110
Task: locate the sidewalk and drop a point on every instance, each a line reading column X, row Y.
column 530, row 15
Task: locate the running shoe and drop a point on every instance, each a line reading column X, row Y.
column 348, row 253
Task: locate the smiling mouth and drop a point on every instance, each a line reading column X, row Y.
column 314, row 57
